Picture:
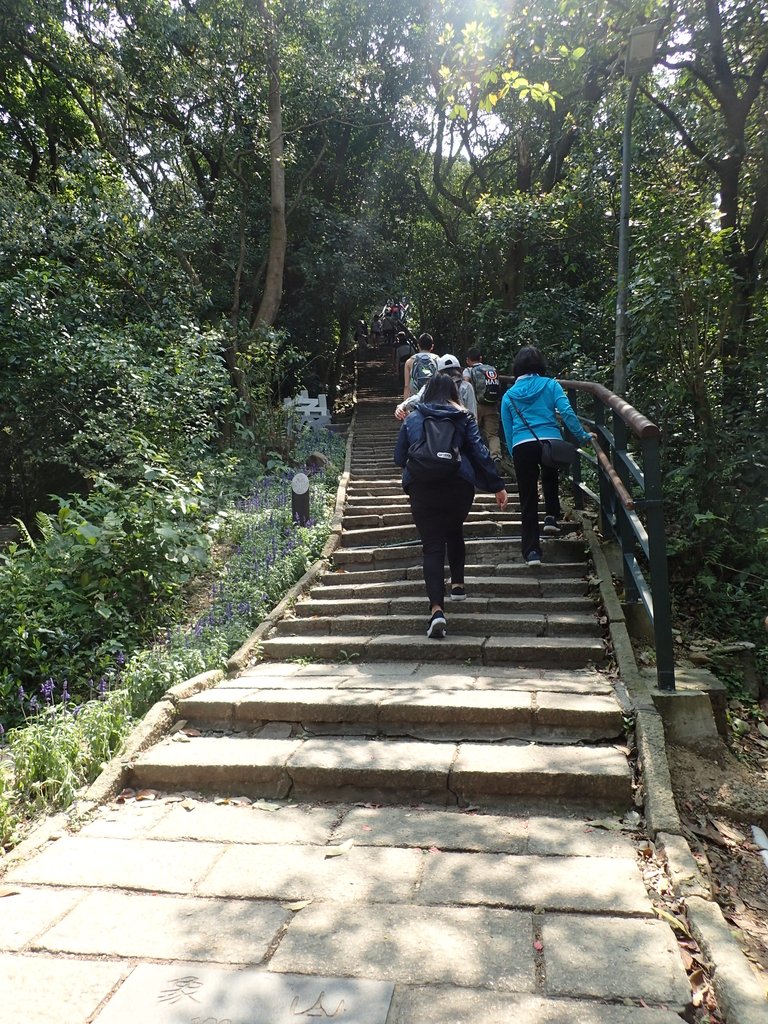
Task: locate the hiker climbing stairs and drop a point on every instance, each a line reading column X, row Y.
column 350, row 700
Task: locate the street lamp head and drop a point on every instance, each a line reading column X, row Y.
column 641, row 48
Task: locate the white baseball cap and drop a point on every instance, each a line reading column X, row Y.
column 448, row 362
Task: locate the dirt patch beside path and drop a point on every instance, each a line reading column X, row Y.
column 720, row 795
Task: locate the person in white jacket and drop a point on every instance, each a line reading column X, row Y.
column 450, row 366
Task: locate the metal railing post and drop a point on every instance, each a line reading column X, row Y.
column 626, row 534
column 576, row 495
column 605, row 490
column 657, row 558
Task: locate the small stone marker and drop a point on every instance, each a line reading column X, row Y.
column 190, row 994
column 300, row 499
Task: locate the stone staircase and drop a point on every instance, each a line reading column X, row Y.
column 352, row 701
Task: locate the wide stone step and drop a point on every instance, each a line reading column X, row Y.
column 510, row 586
column 563, row 570
column 356, row 522
column 462, row 623
column 478, row 550
column 328, row 604
column 478, row 525
column 349, row 768
column 508, row 650
column 418, row 709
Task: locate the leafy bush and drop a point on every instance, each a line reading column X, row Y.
column 260, row 554
column 64, row 747
column 100, row 577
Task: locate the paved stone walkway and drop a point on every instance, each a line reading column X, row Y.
column 359, row 838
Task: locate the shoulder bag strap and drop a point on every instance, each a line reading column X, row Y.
column 522, row 417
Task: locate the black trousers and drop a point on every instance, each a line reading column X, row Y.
column 527, row 460
column 439, row 510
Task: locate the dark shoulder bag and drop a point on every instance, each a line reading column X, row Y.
column 555, row 452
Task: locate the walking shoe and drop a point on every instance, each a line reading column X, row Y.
column 437, row 627
column 533, row 557
column 550, row 525
column 458, row 593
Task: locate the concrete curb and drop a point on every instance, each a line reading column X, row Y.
column 739, row 993
column 661, row 813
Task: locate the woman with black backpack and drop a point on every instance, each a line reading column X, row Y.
column 444, row 459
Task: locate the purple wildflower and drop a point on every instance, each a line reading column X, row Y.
column 46, row 689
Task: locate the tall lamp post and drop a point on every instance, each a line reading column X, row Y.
column 641, row 55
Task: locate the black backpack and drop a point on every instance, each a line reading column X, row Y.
column 485, row 381
column 436, row 455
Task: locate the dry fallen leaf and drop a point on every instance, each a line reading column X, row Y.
column 728, row 831
column 339, row 851
column 266, row 805
column 676, row 923
column 298, row 905
column 147, row 794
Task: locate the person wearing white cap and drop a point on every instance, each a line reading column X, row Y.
column 451, row 367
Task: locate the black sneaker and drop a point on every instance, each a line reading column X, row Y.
column 437, row 627
column 533, row 557
column 550, row 525
column 458, row 594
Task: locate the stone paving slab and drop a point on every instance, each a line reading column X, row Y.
column 421, row 769
column 159, row 994
column 583, row 773
column 159, row 927
column 218, row 762
column 447, row 830
column 422, row 704
column 47, row 990
column 411, row 945
column 310, row 705
column 596, row 712
column 564, row 650
column 128, row 864
column 609, row 958
column 30, row 911
column 566, row 836
column 278, row 647
column 578, row 884
column 130, row 820
column 442, row 1004
column 365, row 873
column 203, row 820
column 576, row 681
column 452, row 648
